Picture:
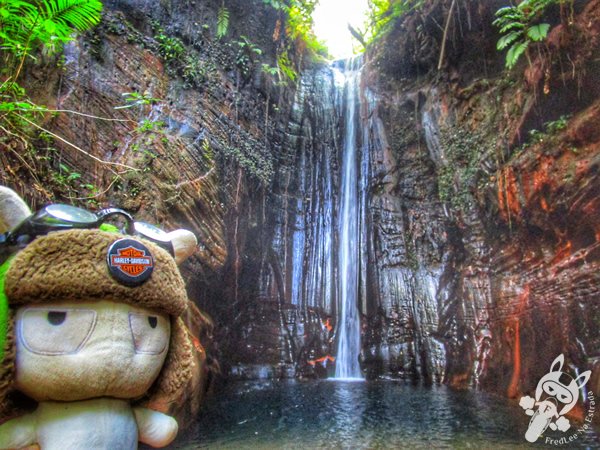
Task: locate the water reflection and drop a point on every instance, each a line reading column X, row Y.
column 368, row 415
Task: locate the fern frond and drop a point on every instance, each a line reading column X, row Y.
column 222, row 22
column 513, row 54
column 508, row 39
column 69, row 15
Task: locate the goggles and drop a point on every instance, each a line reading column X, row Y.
column 65, row 217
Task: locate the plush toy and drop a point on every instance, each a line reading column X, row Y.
column 92, row 328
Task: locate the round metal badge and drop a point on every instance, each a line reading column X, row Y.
column 130, row 262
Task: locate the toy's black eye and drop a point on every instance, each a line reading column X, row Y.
column 150, row 332
column 56, row 317
column 47, row 331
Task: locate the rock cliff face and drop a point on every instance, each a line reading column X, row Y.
column 479, row 259
column 157, row 116
column 500, row 217
column 478, row 237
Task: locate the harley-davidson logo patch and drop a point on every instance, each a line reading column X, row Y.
column 130, row 262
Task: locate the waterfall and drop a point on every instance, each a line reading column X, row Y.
column 347, row 365
column 320, row 235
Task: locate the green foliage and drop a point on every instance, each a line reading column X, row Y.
column 148, row 125
column 519, row 26
column 48, row 23
column 29, row 28
column 65, row 175
column 300, row 18
column 3, row 308
column 180, row 60
column 222, row 22
column 285, row 66
column 70, row 184
column 457, row 179
column 383, row 13
column 555, row 126
column 207, row 150
column 194, row 73
column 270, row 70
column 299, row 24
column 551, row 129
column 136, row 99
column 17, row 112
column 169, row 47
column 275, row 74
column 26, row 26
column 247, row 46
column 275, row 4
column 247, row 52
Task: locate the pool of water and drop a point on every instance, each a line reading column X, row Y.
column 361, row 415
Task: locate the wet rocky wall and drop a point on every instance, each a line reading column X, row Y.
column 480, row 256
column 490, row 190
column 292, row 317
column 479, row 241
column 158, row 116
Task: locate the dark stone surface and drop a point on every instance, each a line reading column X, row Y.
column 479, row 260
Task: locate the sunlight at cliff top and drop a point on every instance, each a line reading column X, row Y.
column 331, row 19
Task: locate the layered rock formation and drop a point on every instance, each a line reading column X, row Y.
column 509, row 239
column 479, row 236
column 478, row 258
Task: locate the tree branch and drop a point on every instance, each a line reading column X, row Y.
column 101, row 161
column 444, row 38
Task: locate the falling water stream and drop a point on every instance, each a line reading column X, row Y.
column 347, row 365
column 328, row 270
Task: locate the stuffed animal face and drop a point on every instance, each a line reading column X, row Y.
column 71, row 351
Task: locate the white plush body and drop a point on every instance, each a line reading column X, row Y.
column 102, row 424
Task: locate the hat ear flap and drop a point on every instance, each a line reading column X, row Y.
column 13, row 210
column 178, row 368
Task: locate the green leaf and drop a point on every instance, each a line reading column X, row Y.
column 7, row 106
column 222, row 22
column 538, row 32
column 511, row 26
column 508, row 39
column 47, row 23
column 514, row 53
column 49, row 26
column 505, row 10
column 4, row 310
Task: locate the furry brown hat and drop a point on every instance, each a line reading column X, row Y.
column 72, row 265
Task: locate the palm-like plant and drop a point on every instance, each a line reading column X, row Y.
column 28, row 24
column 519, row 27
